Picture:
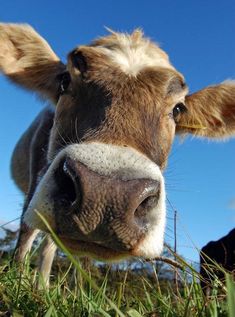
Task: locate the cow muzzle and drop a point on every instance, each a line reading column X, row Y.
column 102, row 199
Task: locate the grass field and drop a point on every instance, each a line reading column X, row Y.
column 107, row 292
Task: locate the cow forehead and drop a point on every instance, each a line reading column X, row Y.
column 132, row 52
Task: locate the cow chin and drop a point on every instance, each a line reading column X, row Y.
column 146, row 249
column 104, row 160
column 94, row 250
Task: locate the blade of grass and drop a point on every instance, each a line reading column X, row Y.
column 133, row 313
column 230, row 295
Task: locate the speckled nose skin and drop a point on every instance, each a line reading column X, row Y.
column 102, row 209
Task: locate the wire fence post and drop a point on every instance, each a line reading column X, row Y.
column 175, row 249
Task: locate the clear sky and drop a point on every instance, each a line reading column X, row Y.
column 199, row 37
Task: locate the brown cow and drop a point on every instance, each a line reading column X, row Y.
column 92, row 164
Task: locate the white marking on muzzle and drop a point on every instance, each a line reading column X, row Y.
column 108, row 160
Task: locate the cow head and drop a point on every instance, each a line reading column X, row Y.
column 118, row 105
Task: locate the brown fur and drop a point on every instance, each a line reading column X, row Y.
column 135, row 116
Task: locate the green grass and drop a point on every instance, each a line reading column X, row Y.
column 105, row 292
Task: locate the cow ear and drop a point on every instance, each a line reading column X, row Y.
column 210, row 112
column 28, row 60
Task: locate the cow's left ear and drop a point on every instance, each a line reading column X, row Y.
column 210, row 112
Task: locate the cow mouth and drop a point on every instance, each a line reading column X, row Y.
column 93, row 249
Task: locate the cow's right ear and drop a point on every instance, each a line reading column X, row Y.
column 210, row 112
column 28, row 60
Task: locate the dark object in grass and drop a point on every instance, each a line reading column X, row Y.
column 216, row 254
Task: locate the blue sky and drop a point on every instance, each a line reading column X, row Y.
column 199, row 37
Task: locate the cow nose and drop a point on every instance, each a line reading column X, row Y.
column 105, row 198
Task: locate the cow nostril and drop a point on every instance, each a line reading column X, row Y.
column 149, row 201
column 146, row 205
column 69, row 189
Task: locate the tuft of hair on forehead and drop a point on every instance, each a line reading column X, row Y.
column 132, row 52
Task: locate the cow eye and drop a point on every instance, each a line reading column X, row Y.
column 178, row 110
column 65, row 80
